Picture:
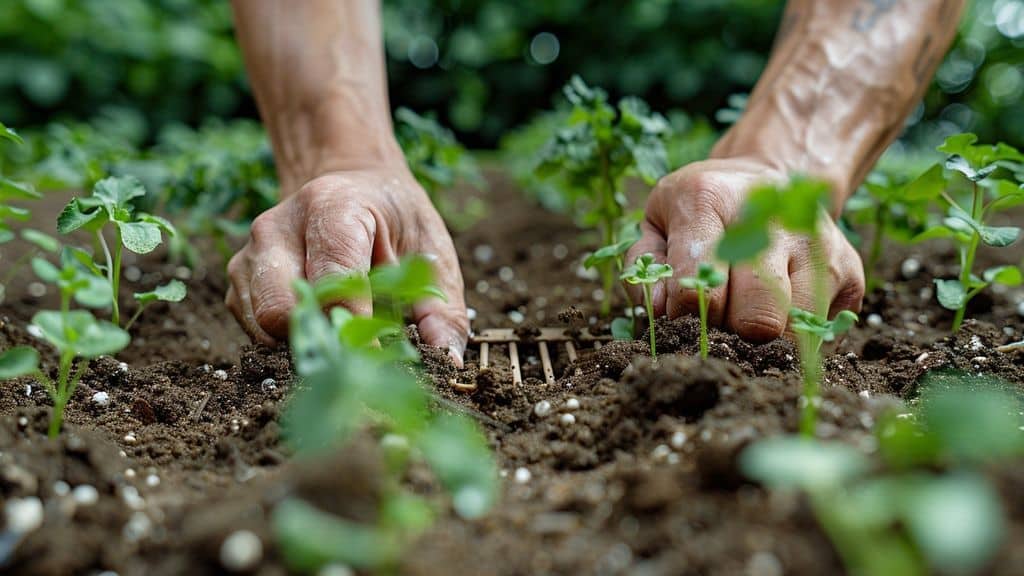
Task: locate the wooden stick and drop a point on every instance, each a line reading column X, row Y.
column 545, row 362
column 485, row 354
column 513, row 360
column 570, row 349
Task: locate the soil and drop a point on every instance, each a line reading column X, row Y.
column 632, row 470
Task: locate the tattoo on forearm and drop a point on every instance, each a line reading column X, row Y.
column 870, row 11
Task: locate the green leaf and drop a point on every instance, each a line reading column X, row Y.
column 139, row 237
column 622, row 328
column 310, row 538
column 961, row 165
column 800, row 204
column 952, row 294
column 956, row 521
column 743, row 242
column 79, row 332
column 78, row 214
column 46, row 271
column 9, row 134
column 958, row 144
column 406, row 283
column 927, row 186
column 842, row 322
column 646, row 271
column 974, row 419
column 117, row 192
column 940, row 232
column 44, row 242
column 998, row 236
column 18, row 361
column 11, row 190
column 803, row 463
column 1005, row 275
column 458, row 453
column 163, row 223
column 173, row 291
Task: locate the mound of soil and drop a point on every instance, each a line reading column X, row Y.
column 622, row 466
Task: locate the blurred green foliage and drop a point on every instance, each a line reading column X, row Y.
column 484, row 65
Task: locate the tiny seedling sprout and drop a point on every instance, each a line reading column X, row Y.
column 646, row 272
column 707, row 278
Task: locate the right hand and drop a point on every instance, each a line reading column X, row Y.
column 345, row 222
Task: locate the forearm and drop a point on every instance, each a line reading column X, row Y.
column 842, row 78
column 318, row 74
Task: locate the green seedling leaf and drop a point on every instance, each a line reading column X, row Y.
column 805, row 322
column 956, row 521
column 117, row 191
column 952, row 294
column 408, row 512
column 9, row 135
column 963, row 166
column 622, row 328
column 164, row 224
column 18, row 361
column 1005, row 275
column 707, row 277
column 941, row 232
column 458, row 454
column 927, row 186
column 801, row 463
column 646, row 271
column 46, row 271
column 173, row 291
column 310, row 538
column 958, row 144
column 973, row 419
column 79, row 332
column 998, row 236
column 335, row 288
column 79, row 213
column 628, row 236
column 139, row 237
column 42, row 241
column 406, row 283
column 11, row 190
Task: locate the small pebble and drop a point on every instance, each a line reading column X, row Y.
column 522, row 475
column 864, row 394
column 483, row 253
column 132, row 273
column 673, row 458
column 131, row 497
column 874, row 320
column 506, row 274
column 101, row 398
column 85, row 495
column 268, row 384
column 471, row 313
column 572, row 404
column 152, row 480
column 23, row 515
column 921, row 358
column 28, row 389
column 220, row 374
column 567, row 419
column 598, row 295
column 137, row 527
column 926, row 293
column 661, row 452
column 37, row 332
column 678, row 439
column 560, row 251
column 182, row 272
column 130, row 438
column 976, row 343
column 910, row 268
column 122, row 366
column 516, row 316
column 482, row 287
column 36, row 289
column 129, row 473
column 22, row 422
column 61, row 488
column 851, row 355
column 979, row 359
column 542, row 408
column 241, row 551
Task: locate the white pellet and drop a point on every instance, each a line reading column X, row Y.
column 678, row 439
column 910, row 268
column 568, row 419
column 522, row 475
column 220, row 374
column 241, row 551
column 23, row 514
column 101, row 398
column 85, row 495
column 542, row 408
column 572, row 404
column 874, row 320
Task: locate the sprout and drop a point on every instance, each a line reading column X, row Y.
column 707, row 278
column 646, row 272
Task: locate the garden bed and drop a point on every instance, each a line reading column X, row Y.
column 641, row 479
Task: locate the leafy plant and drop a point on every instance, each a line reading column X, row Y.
column 358, row 370
column 988, row 171
column 612, row 257
column 111, row 204
column 75, row 334
column 593, row 154
column 795, row 207
column 438, row 162
column 928, row 508
column 646, row 272
column 707, row 278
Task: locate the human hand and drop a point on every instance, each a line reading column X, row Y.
column 688, row 211
column 344, row 222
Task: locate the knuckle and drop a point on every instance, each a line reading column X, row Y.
column 759, row 322
column 263, row 226
column 270, row 308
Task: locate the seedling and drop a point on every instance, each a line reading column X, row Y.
column 356, row 371
column 797, row 208
column 611, row 257
column 596, row 151
column 646, row 272
column 988, row 170
column 73, row 333
column 438, row 162
column 707, row 278
column 898, row 520
column 111, row 203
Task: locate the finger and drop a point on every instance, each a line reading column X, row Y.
column 340, row 240
column 689, row 244
column 759, row 300
column 275, row 262
column 239, row 302
column 652, row 241
column 444, row 323
column 851, row 282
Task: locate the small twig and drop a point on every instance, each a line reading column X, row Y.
column 484, row 418
column 194, row 416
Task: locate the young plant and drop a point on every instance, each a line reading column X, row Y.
column 438, row 162
column 75, row 334
column 357, row 371
column 612, row 257
column 646, row 272
column 141, row 233
column 897, row 518
column 795, row 207
column 593, row 154
column 707, row 278
column 989, row 174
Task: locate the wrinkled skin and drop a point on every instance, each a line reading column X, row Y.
column 689, row 210
column 345, row 222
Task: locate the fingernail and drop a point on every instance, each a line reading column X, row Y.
column 455, row 352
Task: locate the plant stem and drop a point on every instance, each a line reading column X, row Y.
column 703, row 306
column 115, row 284
column 648, row 300
column 810, row 364
column 60, row 399
column 138, row 312
column 115, row 314
column 967, row 262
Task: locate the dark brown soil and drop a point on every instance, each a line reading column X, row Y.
column 632, row 465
